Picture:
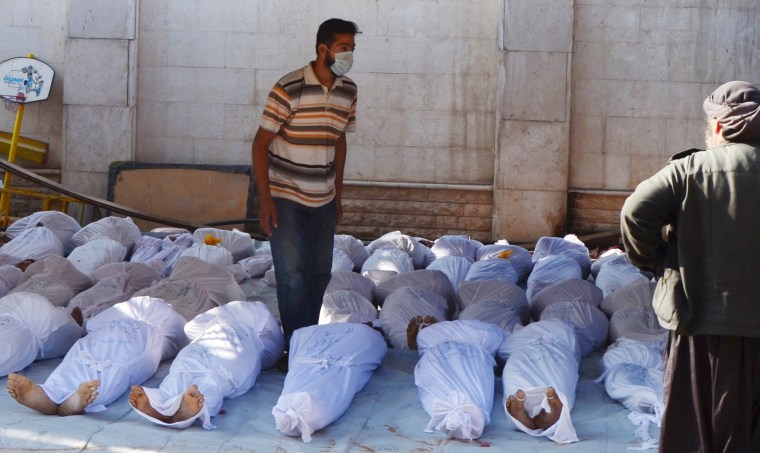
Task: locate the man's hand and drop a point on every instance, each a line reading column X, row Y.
column 267, row 216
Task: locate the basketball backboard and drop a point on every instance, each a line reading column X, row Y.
column 24, row 80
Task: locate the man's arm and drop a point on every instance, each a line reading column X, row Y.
column 340, row 163
column 652, row 206
column 260, row 151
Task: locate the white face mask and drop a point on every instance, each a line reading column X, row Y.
column 343, row 63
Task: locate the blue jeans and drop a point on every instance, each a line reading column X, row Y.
column 302, row 251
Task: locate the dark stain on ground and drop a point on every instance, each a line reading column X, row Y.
column 483, row 443
column 391, row 428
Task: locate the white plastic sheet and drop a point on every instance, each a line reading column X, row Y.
column 404, row 304
column 252, row 267
column 486, row 335
column 328, row 365
column 610, row 255
column 346, row 306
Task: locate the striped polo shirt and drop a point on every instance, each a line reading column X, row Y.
column 308, row 120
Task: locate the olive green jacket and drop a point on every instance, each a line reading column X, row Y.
column 710, row 265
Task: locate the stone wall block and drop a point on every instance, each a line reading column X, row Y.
column 534, row 156
column 191, row 120
column 536, row 87
column 639, row 135
column 199, row 49
column 640, row 61
column 526, row 215
column 103, row 19
column 96, row 72
column 228, row 16
column 605, row 24
column 164, row 150
column 538, row 25
column 97, row 136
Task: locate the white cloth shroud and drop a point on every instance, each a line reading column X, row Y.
column 573, row 289
column 195, row 286
column 616, row 274
column 230, row 345
column 116, row 282
column 541, row 355
column 119, row 229
column 636, row 294
column 238, row 243
column 31, row 328
column 96, row 253
column 353, row 247
column 454, row 376
column 433, row 280
column 328, row 365
column 550, row 270
column 123, row 347
column 33, row 243
column 402, row 306
column 385, row 263
column 351, row 281
column 495, row 312
column 455, row 268
column 346, row 306
column 496, row 269
column 590, row 324
column 568, row 246
column 519, row 257
column 471, row 293
column 407, row 244
column 456, row 245
column 62, row 225
column 55, row 278
column 214, row 254
column 10, row 277
column 341, row 262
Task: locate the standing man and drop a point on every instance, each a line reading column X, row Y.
column 298, row 157
column 709, row 286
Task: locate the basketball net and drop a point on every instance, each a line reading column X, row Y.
column 12, row 103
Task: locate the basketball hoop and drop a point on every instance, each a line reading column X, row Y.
column 12, row 103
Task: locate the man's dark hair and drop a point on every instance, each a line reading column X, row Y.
column 329, row 28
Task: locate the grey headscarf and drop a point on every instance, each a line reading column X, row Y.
column 736, row 106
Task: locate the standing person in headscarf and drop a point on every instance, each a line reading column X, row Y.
column 708, row 261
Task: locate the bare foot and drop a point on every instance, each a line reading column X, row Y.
column 192, row 402
column 413, row 329
column 30, row 395
column 516, row 408
column 546, row 419
column 76, row 313
column 140, row 401
column 83, row 397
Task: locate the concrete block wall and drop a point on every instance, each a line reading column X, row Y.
column 530, row 182
column 528, row 100
column 641, row 70
column 37, row 27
